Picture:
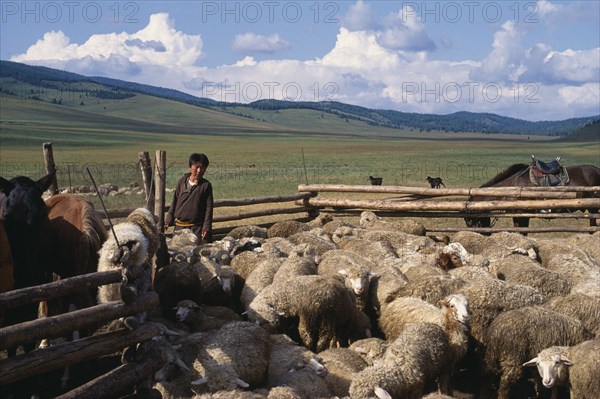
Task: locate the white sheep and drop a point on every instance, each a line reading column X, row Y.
column 453, row 317
column 326, row 311
column 518, row 335
column 342, row 366
column 236, row 355
column 131, row 252
column 416, row 357
column 577, row 367
column 580, row 306
column 352, row 268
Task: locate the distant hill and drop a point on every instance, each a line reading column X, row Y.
column 70, row 89
column 590, row 132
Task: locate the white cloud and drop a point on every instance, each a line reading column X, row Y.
column 251, row 43
column 359, row 17
column 381, row 64
column 156, row 44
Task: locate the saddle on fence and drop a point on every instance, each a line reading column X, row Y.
column 548, row 173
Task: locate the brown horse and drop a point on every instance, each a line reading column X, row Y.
column 517, row 175
column 76, row 234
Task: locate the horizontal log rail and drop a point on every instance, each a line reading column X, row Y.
column 441, row 214
column 56, row 326
column 581, row 203
column 550, row 229
column 268, row 212
column 563, row 192
column 69, row 353
column 263, row 200
column 46, row 292
column 122, row 379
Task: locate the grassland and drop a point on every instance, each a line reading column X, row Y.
column 267, row 155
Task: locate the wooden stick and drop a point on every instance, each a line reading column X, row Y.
column 46, row 292
column 146, row 169
column 123, row 379
column 160, row 181
column 262, row 200
column 518, row 192
column 555, row 229
column 56, row 326
column 581, row 203
column 70, row 353
column 441, row 214
column 268, row 212
column 50, row 166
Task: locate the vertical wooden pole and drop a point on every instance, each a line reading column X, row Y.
column 159, row 188
column 146, row 167
column 50, row 166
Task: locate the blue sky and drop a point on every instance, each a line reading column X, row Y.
column 535, row 60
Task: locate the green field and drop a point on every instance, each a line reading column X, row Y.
column 267, row 155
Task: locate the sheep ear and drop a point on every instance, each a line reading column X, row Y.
column 373, row 274
column 343, row 272
column 241, row 383
column 200, row 381
column 532, row 362
column 565, row 360
column 382, row 393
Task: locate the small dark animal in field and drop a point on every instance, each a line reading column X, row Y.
column 435, row 182
column 376, row 181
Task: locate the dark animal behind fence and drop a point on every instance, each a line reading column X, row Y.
column 517, row 175
column 26, row 222
column 435, row 182
column 376, row 181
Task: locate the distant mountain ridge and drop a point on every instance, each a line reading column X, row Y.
column 456, row 122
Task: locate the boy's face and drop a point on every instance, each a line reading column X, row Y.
column 197, row 172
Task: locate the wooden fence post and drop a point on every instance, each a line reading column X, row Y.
column 159, row 188
column 50, row 166
column 146, row 167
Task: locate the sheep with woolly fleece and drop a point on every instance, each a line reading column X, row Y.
column 490, row 248
column 417, row 356
column 377, row 251
column 131, row 252
column 516, row 336
column 577, row 367
column 326, row 311
column 245, row 262
column 371, row 349
column 231, row 395
column 221, row 285
column 384, row 288
column 321, row 220
column 295, row 368
column 436, row 395
column 431, row 289
column 203, row 317
column 453, row 316
column 402, row 242
column 318, row 244
column 259, row 279
column 236, row 355
column 285, row 228
column 523, row 270
column 294, row 266
column 342, row 365
column 177, row 281
column 580, row 306
column 586, row 242
column 351, row 268
column 287, row 355
column 577, row 266
column 516, row 243
column 248, row 231
column 472, row 274
column 369, row 220
column 330, row 227
column 489, row 298
column 182, row 241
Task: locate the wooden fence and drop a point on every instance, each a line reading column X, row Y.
column 121, row 380
column 512, row 202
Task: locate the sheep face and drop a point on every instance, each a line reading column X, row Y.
column 458, row 306
column 358, row 282
column 310, row 361
column 184, row 308
column 552, row 368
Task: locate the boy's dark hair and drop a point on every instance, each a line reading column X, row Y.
column 196, row 158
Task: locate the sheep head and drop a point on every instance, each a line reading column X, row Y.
column 552, row 366
column 456, row 306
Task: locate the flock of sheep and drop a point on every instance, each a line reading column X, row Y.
column 372, row 310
